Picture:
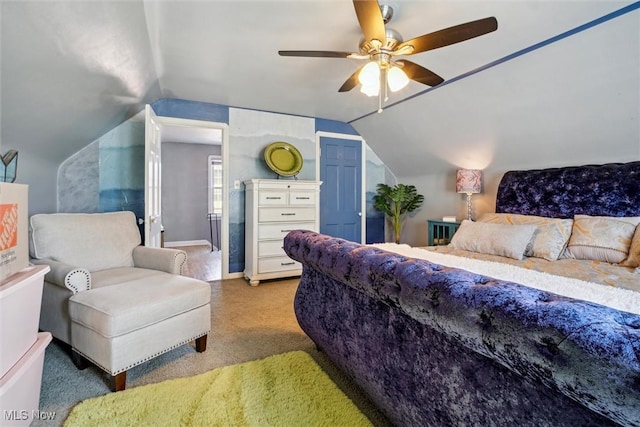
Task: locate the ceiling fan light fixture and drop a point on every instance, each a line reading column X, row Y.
column 370, row 90
column 396, row 79
column 370, row 75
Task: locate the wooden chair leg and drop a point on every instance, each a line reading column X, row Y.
column 201, row 344
column 120, row 381
column 79, row 360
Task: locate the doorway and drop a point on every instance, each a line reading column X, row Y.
column 186, row 220
column 341, row 171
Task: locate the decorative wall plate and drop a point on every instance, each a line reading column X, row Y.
column 283, row 158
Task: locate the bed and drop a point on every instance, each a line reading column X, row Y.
column 435, row 345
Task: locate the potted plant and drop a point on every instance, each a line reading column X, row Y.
column 396, row 202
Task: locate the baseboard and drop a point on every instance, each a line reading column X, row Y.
column 187, row 243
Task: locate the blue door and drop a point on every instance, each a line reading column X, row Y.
column 341, row 189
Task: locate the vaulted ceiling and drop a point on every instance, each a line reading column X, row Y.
column 71, row 71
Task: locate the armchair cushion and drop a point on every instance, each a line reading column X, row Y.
column 93, row 241
column 141, row 301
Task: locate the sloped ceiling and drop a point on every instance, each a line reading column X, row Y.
column 70, row 71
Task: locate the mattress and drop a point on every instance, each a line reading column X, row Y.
column 589, row 271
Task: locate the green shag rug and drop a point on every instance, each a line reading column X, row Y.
column 288, row 389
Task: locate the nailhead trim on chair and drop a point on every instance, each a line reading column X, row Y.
column 175, row 258
column 142, row 360
column 70, row 275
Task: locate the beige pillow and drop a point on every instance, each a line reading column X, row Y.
column 633, row 260
column 496, row 239
column 601, row 238
column 551, row 237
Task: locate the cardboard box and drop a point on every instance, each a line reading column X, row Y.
column 14, row 229
column 20, row 387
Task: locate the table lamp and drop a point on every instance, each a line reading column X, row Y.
column 469, row 181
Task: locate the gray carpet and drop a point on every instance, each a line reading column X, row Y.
column 247, row 323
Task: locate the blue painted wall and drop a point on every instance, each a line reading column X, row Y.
column 193, row 110
column 324, row 125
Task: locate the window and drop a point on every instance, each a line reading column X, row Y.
column 215, row 185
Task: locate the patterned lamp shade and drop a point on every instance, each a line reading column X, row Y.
column 469, row 181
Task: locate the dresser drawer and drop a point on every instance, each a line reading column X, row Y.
column 273, row 185
column 284, row 263
column 278, row 231
column 284, row 214
column 272, row 197
column 302, row 197
column 271, row 248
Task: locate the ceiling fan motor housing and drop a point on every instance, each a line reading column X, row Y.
column 370, row 47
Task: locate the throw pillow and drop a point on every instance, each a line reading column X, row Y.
column 496, row 239
column 601, row 238
column 550, row 239
column 633, row 260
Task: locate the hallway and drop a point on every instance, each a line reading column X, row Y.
column 202, row 263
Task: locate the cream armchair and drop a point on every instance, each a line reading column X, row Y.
column 116, row 303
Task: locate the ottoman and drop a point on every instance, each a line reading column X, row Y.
column 143, row 314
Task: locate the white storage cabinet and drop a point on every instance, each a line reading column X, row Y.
column 272, row 209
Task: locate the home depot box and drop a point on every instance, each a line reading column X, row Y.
column 14, row 237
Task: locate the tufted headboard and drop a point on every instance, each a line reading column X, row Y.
column 611, row 189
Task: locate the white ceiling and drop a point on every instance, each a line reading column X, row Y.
column 71, row 71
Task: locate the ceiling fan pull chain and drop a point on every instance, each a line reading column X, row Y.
column 381, row 83
column 386, row 84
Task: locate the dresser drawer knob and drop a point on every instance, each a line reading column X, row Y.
column 273, row 198
column 287, row 263
column 288, row 214
column 303, row 198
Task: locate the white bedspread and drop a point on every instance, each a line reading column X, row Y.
column 620, row 299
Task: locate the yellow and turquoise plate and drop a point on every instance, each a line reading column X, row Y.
column 283, row 158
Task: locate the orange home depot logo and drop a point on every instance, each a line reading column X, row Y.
column 8, row 226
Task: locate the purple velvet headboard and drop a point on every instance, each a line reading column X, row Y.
column 611, row 189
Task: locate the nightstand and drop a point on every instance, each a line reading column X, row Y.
column 441, row 232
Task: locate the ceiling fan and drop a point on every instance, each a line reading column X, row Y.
column 381, row 46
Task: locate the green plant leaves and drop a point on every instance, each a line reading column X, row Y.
column 397, row 201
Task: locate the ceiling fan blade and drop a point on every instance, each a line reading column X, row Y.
column 314, row 53
column 351, row 82
column 451, row 35
column 420, row 74
column 370, row 19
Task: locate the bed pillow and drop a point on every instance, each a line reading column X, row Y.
column 601, row 238
column 551, row 237
column 506, row 240
column 633, row 260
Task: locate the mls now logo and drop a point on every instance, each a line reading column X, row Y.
column 22, row 415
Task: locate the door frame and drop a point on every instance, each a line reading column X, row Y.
column 224, row 127
column 152, row 178
column 363, row 177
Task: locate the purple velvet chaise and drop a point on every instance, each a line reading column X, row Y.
column 438, row 346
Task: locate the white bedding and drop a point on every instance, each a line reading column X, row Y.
column 620, row 299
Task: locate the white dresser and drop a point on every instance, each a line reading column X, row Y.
column 273, row 208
